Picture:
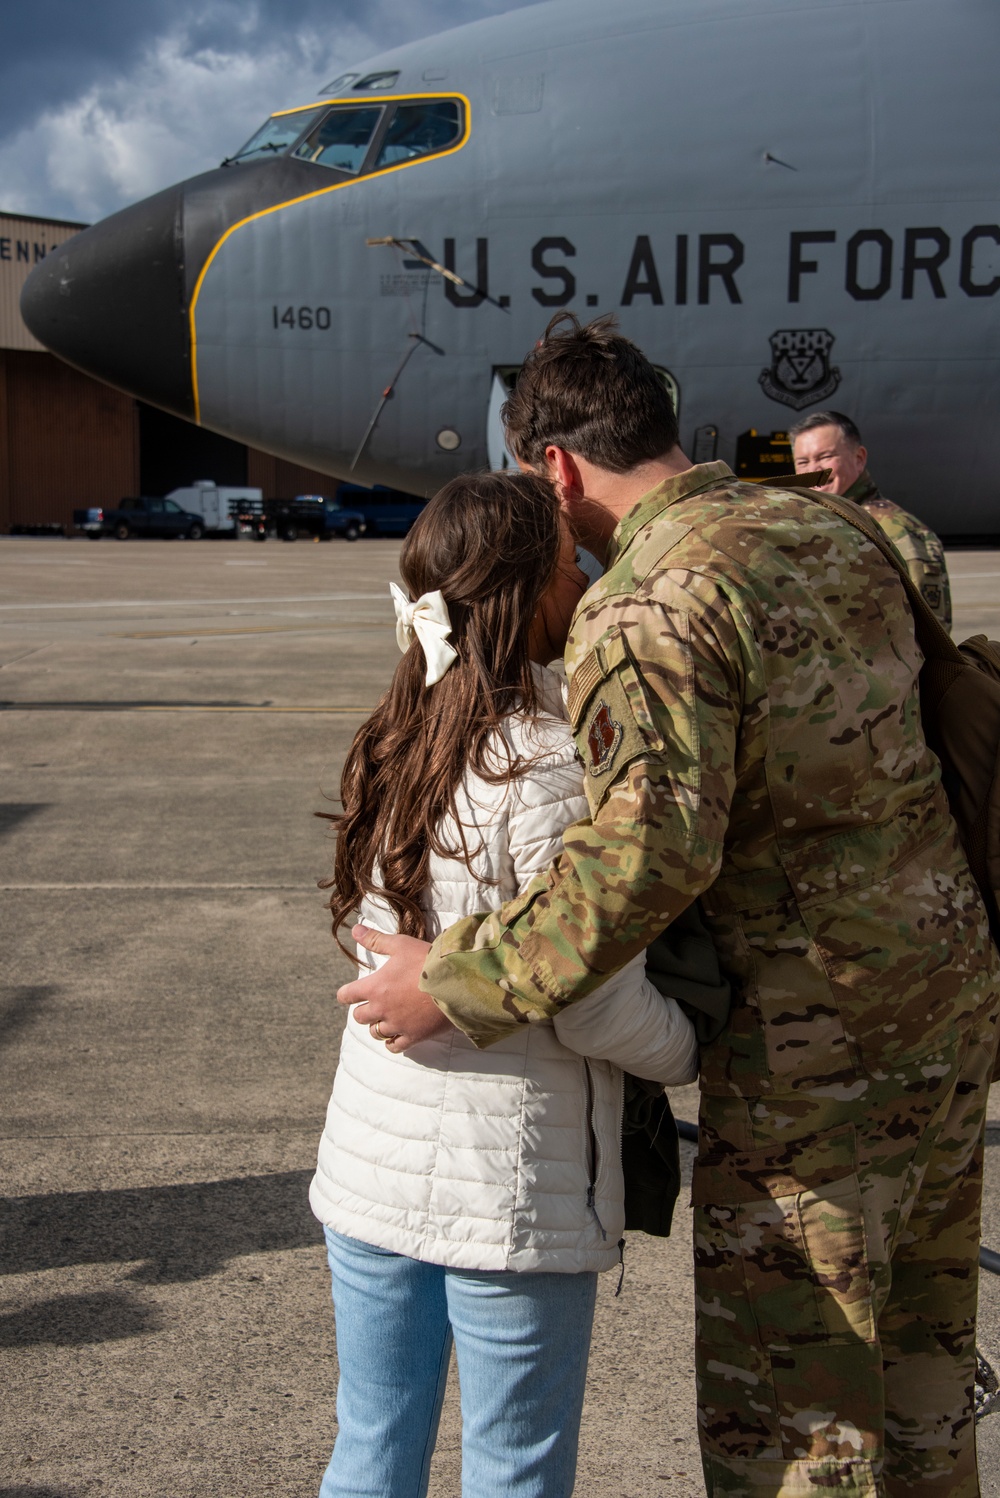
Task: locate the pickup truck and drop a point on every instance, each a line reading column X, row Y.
column 387, row 512
column 309, row 515
column 140, row 517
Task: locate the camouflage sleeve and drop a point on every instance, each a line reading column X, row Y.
column 656, row 704
column 922, row 554
column 931, row 576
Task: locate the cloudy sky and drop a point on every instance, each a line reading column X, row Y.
column 104, row 102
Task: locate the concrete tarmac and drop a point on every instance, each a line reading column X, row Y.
column 171, row 716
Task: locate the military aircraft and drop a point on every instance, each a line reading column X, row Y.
column 786, row 205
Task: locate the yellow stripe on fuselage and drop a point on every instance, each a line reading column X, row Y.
column 319, row 193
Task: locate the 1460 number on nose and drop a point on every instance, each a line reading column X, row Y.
column 303, row 318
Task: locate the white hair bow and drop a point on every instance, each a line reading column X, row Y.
column 430, row 621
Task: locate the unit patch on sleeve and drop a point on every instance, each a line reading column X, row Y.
column 603, row 738
column 605, row 695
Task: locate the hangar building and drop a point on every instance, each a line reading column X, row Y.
column 68, row 442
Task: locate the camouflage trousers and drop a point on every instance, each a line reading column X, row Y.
column 836, row 1245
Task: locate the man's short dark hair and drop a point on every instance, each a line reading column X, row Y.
column 826, row 419
column 592, row 392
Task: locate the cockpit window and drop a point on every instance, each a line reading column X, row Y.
column 341, row 140
column 363, row 137
column 339, row 84
column 419, row 130
column 375, row 82
column 277, row 134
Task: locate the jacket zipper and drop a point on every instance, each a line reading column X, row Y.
column 592, row 1140
column 592, row 1130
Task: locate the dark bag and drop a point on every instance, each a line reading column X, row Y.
column 651, row 1160
column 683, row 965
column 960, row 709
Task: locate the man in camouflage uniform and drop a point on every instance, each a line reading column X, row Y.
column 743, row 694
column 828, row 439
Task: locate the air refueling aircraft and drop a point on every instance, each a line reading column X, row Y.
column 787, row 205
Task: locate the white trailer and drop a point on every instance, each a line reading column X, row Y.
column 216, row 505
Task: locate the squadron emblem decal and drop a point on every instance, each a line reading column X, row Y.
column 799, row 373
column 603, row 737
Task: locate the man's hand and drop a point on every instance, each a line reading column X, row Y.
column 390, row 1001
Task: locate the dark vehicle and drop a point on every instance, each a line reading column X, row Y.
column 250, row 518
column 89, row 521
column 140, row 517
column 388, row 512
column 309, row 515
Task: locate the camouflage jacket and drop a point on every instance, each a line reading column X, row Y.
column 916, row 543
column 743, row 695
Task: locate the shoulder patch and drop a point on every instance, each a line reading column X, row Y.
column 608, row 737
column 610, row 715
column 586, row 679
column 603, row 737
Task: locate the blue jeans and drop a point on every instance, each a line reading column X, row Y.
column 521, row 1341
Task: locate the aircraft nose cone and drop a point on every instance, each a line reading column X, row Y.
column 111, row 301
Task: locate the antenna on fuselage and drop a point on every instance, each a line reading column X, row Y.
column 390, row 391
column 418, row 251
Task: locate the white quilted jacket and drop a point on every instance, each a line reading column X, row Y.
column 507, row 1158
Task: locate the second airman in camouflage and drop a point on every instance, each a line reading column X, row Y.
column 743, row 693
column 828, row 439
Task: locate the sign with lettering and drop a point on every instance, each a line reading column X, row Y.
column 23, row 243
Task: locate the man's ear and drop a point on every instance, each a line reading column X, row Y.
column 862, row 454
column 564, row 475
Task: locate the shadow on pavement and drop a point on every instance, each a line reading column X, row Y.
column 12, row 814
column 77, row 1320
column 178, row 1233
column 22, row 1005
column 24, row 1492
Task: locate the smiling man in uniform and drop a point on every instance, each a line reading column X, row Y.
column 829, row 439
column 743, row 691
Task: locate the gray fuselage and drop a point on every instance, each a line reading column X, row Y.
column 787, row 206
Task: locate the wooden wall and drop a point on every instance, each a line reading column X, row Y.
column 280, row 479
column 66, row 441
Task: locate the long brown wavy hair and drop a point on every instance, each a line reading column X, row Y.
column 490, row 544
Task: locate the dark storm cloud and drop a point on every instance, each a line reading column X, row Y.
column 105, row 102
column 56, row 50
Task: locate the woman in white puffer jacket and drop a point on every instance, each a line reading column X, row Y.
column 474, row 1194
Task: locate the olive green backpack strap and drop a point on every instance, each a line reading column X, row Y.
column 932, row 637
column 960, row 709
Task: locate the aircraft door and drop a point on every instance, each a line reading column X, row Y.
column 496, row 447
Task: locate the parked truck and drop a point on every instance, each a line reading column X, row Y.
column 307, row 515
column 200, row 509
column 353, row 512
column 140, row 516
column 387, row 512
